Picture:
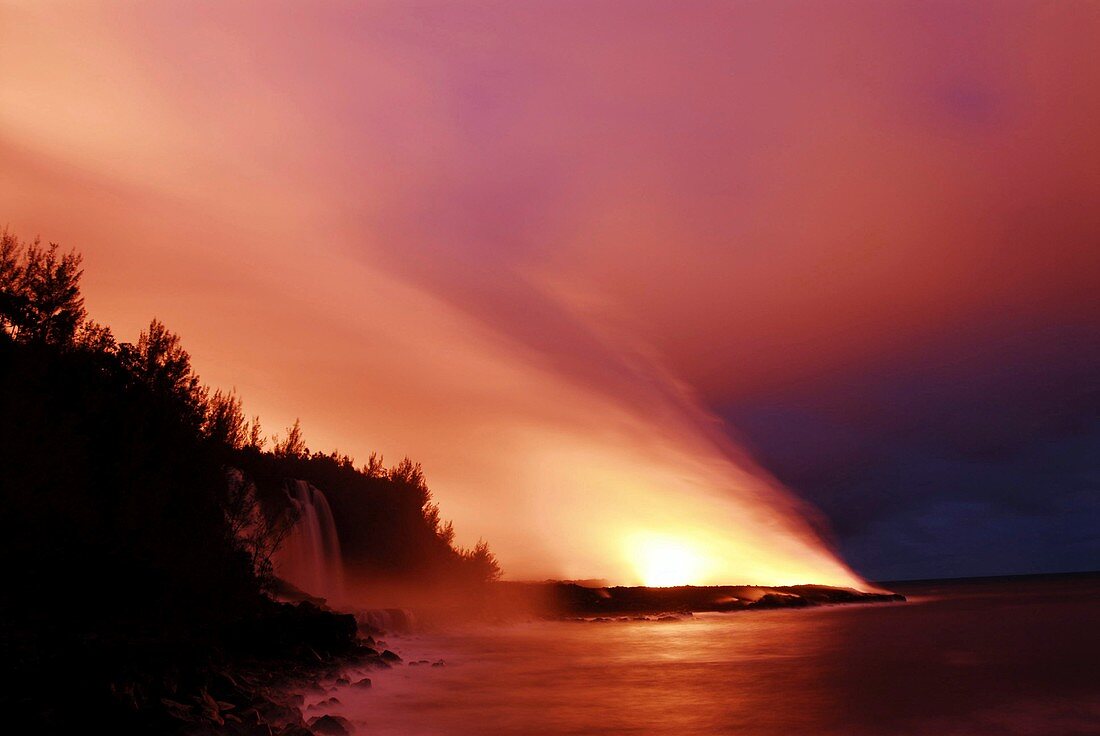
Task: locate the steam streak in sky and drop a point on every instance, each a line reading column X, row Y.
column 492, row 241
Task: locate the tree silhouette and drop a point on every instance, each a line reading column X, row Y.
column 225, row 423
column 95, row 338
column 159, row 361
column 10, row 268
column 127, row 483
column 40, row 297
column 374, row 467
column 255, row 434
column 483, row 562
column 294, row 445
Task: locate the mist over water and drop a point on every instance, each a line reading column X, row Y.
column 1014, row 657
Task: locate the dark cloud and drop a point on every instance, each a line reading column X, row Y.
column 975, row 457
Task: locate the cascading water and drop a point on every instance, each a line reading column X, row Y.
column 310, row 557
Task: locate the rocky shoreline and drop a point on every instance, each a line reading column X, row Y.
column 572, row 600
column 289, row 654
column 249, row 678
column 268, row 699
column 309, row 651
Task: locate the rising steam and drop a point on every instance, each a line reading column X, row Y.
column 338, row 243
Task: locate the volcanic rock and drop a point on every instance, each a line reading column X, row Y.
column 330, row 726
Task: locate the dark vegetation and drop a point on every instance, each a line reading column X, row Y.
column 389, row 527
column 140, row 512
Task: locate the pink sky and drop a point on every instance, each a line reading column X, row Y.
column 530, row 246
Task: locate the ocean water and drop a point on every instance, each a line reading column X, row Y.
column 1005, row 657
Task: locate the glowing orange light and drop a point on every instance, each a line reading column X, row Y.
column 665, row 561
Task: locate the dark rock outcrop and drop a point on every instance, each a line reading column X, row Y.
column 608, row 604
column 780, row 600
column 330, row 726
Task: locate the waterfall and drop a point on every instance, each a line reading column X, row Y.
column 309, row 557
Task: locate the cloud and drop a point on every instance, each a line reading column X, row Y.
column 974, row 460
column 293, row 218
column 568, row 228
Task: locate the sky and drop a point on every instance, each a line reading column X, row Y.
column 787, row 290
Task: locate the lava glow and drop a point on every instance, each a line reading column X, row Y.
column 665, row 561
column 436, row 234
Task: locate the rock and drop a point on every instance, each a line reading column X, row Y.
column 390, row 656
column 176, row 710
column 209, row 707
column 365, row 682
column 375, row 663
column 577, row 602
column 780, row 600
column 303, row 631
column 294, row 730
column 330, row 726
column 224, row 686
column 438, row 663
column 341, row 681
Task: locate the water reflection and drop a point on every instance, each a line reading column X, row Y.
column 994, row 660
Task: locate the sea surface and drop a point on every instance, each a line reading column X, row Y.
column 1015, row 656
